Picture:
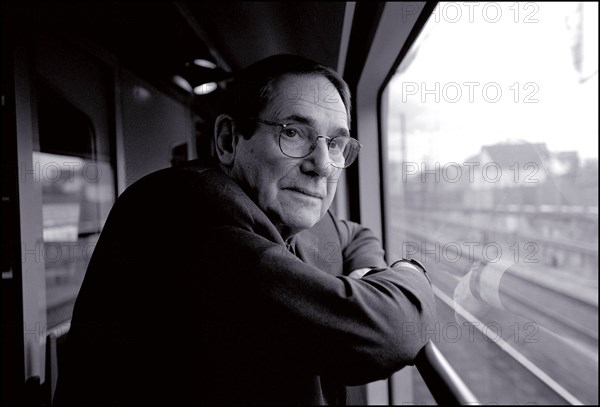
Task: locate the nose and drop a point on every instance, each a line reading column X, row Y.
column 318, row 161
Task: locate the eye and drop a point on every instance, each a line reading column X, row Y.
column 290, row 132
column 338, row 143
column 296, row 132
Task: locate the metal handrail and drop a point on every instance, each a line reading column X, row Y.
column 445, row 385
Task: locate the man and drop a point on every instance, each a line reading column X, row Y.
column 231, row 283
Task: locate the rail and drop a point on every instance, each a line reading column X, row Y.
column 443, row 382
column 445, row 385
column 577, row 246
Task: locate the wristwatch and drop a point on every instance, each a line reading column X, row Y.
column 413, row 263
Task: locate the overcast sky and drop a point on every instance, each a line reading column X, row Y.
column 524, row 51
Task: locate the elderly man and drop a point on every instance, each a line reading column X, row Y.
column 230, row 282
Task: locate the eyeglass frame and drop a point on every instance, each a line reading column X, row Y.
column 328, row 140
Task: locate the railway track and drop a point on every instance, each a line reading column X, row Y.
column 562, row 366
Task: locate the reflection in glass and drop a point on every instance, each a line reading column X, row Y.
column 493, row 185
column 78, row 190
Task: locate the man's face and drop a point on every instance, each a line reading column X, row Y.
column 293, row 192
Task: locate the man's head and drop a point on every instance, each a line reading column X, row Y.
column 293, row 186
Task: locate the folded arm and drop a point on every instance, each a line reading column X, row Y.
column 358, row 329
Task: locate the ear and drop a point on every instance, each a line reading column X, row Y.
column 225, row 140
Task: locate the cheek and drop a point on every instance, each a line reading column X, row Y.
column 331, row 188
column 254, row 167
column 268, row 181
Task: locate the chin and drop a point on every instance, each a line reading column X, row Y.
column 307, row 222
column 299, row 221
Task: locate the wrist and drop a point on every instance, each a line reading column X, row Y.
column 411, row 263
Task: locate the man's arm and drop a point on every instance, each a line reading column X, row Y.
column 359, row 330
column 361, row 250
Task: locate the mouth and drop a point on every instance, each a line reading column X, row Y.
column 307, row 192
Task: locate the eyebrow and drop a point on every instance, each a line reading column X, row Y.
column 311, row 122
column 301, row 119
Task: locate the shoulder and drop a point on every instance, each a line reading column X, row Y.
column 194, row 172
column 192, row 182
column 195, row 192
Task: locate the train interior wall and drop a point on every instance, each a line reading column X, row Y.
column 135, row 128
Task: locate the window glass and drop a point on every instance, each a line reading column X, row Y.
column 78, row 190
column 492, row 168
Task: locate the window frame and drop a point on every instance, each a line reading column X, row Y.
column 389, row 46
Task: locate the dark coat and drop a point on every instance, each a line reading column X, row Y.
column 191, row 297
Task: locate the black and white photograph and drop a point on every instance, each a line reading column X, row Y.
column 277, row 203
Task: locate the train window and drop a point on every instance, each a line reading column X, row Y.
column 492, row 182
column 78, row 191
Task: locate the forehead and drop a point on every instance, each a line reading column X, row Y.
column 308, row 95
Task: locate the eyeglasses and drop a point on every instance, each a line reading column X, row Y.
column 298, row 140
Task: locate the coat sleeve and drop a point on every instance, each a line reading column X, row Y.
column 360, row 247
column 358, row 330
